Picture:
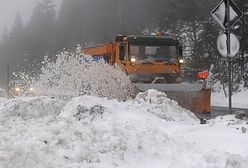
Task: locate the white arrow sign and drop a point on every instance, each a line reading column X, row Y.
column 222, row 45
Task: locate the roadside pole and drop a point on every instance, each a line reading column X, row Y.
column 230, row 84
column 229, row 56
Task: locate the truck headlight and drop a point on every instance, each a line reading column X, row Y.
column 133, row 59
column 181, row 61
column 17, row 89
column 31, row 89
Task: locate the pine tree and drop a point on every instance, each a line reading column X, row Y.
column 40, row 34
column 206, row 50
column 11, row 45
column 17, row 28
column 3, row 40
column 16, row 39
column 241, row 30
column 4, row 37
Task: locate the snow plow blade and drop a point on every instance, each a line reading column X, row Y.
column 194, row 97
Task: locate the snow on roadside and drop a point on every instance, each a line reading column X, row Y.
column 239, row 99
column 2, row 100
column 91, row 132
column 30, row 108
column 2, row 93
column 222, row 142
column 20, row 157
column 157, row 103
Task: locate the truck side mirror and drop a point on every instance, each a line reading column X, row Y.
column 180, row 48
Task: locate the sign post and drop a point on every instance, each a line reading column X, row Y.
column 228, row 55
column 226, row 13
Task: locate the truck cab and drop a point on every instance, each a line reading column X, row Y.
column 146, row 58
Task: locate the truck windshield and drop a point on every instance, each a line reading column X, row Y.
column 154, row 53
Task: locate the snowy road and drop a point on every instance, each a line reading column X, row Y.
column 216, row 111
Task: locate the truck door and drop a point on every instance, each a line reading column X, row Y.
column 122, row 51
column 122, row 55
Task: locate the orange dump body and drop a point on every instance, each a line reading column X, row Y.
column 106, row 51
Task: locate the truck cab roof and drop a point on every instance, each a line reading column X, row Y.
column 152, row 40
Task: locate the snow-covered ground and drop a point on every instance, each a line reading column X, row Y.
column 239, row 99
column 2, row 93
column 151, row 131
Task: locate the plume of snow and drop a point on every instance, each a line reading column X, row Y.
column 74, row 73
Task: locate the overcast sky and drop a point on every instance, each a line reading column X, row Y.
column 9, row 9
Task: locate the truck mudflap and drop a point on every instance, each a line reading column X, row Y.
column 194, row 97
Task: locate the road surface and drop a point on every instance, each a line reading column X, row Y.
column 219, row 111
column 216, row 111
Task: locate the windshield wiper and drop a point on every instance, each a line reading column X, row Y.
column 169, row 62
column 165, row 61
column 147, row 62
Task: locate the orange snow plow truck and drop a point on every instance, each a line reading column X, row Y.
column 155, row 62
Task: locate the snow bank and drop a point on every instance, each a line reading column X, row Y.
column 2, row 92
column 30, row 108
column 92, row 132
column 151, row 101
column 239, row 99
column 224, row 133
column 12, row 156
column 217, row 159
column 2, row 100
column 159, row 104
column 236, row 161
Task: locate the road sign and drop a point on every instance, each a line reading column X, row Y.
column 220, row 13
column 227, row 14
column 222, row 45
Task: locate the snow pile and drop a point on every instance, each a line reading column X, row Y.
column 126, row 132
column 231, row 121
column 113, row 134
column 2, row 92
column 87, row 132
column 92, row 132
column 74, row 74
column 220, row 159
column 21, row 157
column 30, row 108
column 159, row 104
column 151, row 101
column 2, row 100
column 236, row 161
